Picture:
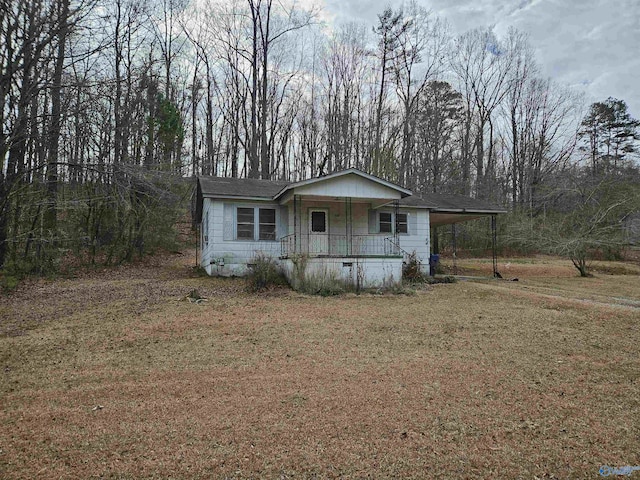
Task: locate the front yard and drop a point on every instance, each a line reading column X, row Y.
column 115, row 375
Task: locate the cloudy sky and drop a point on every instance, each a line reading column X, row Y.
column 593, row 45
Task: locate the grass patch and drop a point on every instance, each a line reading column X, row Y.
column 536, row 378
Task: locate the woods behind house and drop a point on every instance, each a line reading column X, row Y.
column 108, row 105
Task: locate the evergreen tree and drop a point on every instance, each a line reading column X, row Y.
column 609, row 135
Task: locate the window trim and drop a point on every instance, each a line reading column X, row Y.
column 253, row 223
column 256, row 223
column 260, row 224
column 390, row 222
column 393, row 222
column 310, row 213
column 406, row 223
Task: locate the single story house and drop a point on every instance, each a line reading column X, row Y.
column 348, row 225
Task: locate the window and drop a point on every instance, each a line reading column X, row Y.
column 401, row 223
column 248, row 229
column 267, row 224
column 318, row 222
column 386, row 222
column 245, row 223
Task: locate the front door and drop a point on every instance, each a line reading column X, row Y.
column 318, row 231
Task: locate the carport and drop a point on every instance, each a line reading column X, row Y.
column 451, row 209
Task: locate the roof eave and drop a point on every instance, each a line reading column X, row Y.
column 238, row 197
column 466, row 210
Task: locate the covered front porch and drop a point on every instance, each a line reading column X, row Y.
column 331, row 240
column 344, row 227
column 332, row 245
column 337, row 227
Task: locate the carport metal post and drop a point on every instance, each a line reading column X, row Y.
column 454, row 247
column 494, row 246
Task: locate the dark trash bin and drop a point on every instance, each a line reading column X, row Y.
column 434, row 260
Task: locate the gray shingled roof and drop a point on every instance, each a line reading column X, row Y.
column 268, row 189
column 240, row 187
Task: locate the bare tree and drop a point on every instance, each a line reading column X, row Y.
column 523, row 70
column 422, row 43
column 482, row 66
column 344, row 67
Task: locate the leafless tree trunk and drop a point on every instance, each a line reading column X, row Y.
column 482, row 65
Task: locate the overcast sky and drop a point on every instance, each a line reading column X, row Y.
column 593, row 45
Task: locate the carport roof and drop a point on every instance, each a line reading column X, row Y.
column 450, row 203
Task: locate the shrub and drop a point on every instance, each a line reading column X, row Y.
column 8, row 282
column 411, row 269
column 265, row 274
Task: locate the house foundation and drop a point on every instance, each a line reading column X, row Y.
column 353, row 272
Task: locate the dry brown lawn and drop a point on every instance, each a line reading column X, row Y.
column 113, row 375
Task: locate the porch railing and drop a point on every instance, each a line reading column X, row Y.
column 330, row 245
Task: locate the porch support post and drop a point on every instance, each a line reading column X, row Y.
column 396, row 210
column 348, row 214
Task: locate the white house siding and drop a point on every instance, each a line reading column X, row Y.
column 225, row 257
column 360, row 215
column 349, row 186
column 418, row 241
column 337, row 216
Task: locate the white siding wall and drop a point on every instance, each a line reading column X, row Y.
column 416, row 240
column 360, row 215
column 230, row 257
column 348, row 186
column 419, row 240
column 337, row 217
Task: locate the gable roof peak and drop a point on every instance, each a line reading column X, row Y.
column 340, row 173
